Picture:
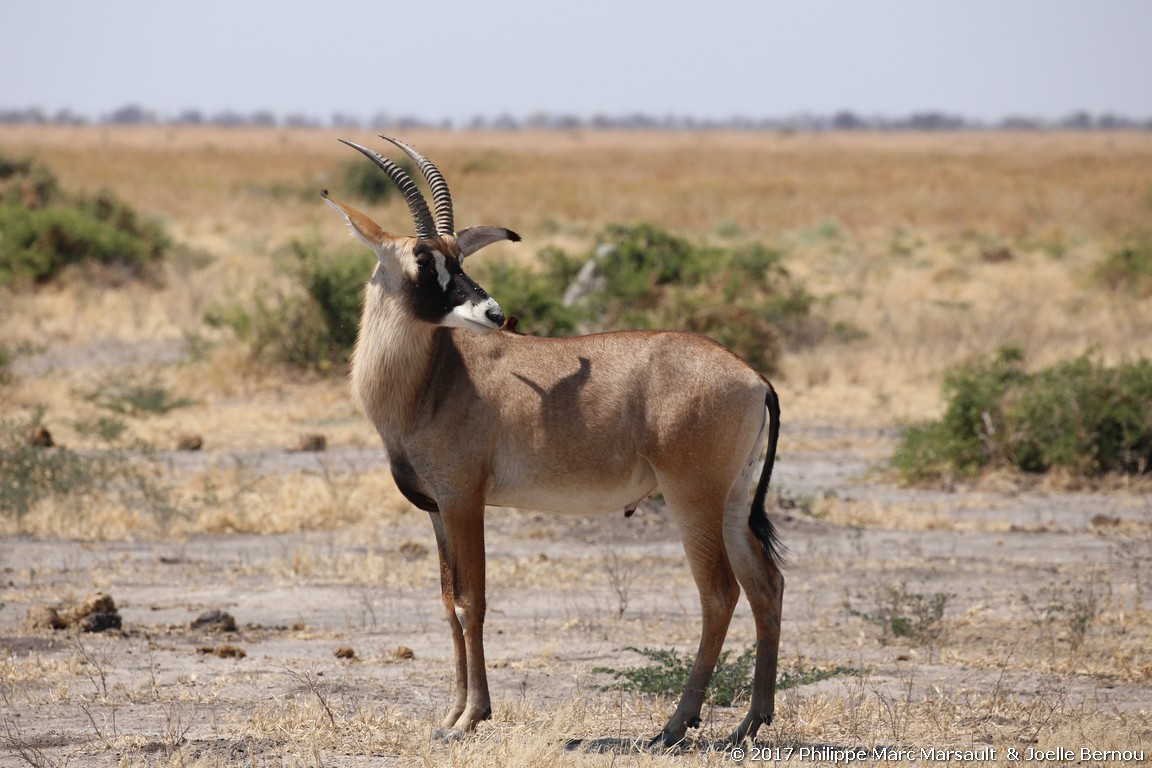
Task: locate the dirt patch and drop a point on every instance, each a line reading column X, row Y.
column 1044, row 621
column 993, row 616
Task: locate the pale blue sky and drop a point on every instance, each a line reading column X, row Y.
column 980, row 59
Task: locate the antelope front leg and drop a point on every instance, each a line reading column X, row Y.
column 447, row 595
column 463, row 569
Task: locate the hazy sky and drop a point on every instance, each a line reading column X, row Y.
column 980, row 59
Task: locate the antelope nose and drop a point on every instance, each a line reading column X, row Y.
column 496, row 315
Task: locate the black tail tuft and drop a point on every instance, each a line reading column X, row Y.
column 758, row 519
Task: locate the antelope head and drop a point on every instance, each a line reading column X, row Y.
column 425, row 272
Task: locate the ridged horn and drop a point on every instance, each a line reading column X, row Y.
column 425, row 226
column 441, row 198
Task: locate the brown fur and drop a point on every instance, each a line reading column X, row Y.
column 591, row 424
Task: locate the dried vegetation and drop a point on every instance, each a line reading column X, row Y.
column 981, row 612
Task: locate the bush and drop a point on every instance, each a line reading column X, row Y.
column 1129, row 268
column 43, row 229
column 1078, row 415
column 368, row 183
column 314, row 325
column 536, row 297
column 642, row 277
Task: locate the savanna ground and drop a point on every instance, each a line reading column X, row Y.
column 997, row 613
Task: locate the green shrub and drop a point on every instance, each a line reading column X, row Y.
column 536, row 297
column 1077, row 415
column 731, row 680
column 368, row 183
column 24, row 181
column 334, row 282
column 312, row 326
column 43, row 229
column 648, row 278
column 1129, row 268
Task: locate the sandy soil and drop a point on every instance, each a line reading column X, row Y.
column 1045, row 640
column 151, row 692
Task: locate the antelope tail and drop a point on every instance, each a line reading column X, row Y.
column 758, row 519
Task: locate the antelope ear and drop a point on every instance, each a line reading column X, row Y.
column 362, row 226
column 473, row 239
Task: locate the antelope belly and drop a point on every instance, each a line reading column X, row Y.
column 573, row 494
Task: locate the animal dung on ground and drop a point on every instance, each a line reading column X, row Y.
column 344, row 652
column 95, row 613
column 311, row 444
column 214, row 621
column 997, row 255
column 43, row 617
column 413, row 550
column 224, row 651
column 99, row 622
column 189, row 443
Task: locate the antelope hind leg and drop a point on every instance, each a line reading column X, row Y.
column 763, row 584
column 704, row 546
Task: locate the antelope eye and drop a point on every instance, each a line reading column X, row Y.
column 424, row 261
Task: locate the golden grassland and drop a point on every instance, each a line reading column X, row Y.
column 892, row 231
column 939, row 247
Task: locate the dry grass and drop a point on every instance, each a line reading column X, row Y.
column 1004, row 670
column 320, row 715
column 890, row 229
column 1044, row 642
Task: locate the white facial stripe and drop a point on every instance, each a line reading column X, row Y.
column 473, row 316
column 442, row 270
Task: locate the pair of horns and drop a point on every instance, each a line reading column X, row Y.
column 426, row 225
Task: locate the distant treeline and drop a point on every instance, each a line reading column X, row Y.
column 840, row 121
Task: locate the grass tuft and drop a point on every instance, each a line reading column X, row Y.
column 731, row 681
column 906, row 615
column 125, row 475
column 6, row 358
column 29, row 473
column 127, row 396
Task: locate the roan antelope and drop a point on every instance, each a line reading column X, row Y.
column 472, row 415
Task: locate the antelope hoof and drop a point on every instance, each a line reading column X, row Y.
column 447, row 735
column 668, row 739
column 464, row 725
column 748, row 728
